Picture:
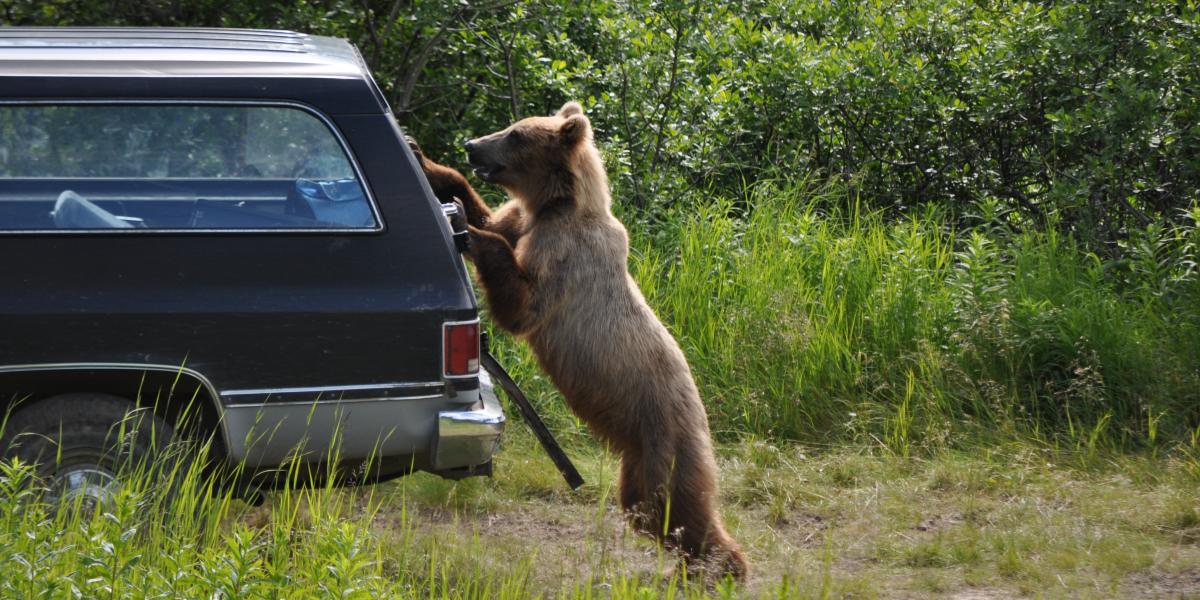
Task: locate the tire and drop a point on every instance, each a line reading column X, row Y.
column 81, row 443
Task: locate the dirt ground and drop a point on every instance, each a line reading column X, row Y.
column 965, row 528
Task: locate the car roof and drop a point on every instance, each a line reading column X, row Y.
column 174, row 52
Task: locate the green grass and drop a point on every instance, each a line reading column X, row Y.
column 1009, row 520
column 808, row 319
column 904, row 410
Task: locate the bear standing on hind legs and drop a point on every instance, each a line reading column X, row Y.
column 552, row 262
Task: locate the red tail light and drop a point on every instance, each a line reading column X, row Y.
column 461, row 342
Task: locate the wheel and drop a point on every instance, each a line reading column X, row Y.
column 81, row 442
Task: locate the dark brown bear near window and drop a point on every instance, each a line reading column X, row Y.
column 552, row 262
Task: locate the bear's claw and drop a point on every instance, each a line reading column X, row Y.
column 413, row 145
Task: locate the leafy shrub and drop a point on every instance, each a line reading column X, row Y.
column 1083, row 115
column 807, row 322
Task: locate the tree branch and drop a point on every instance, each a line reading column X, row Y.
column 426, row 52
column 638, row 200
column 669, row 96
column 415, row 69
column 391, row 18
column 372, row 32
column 513, row 98
column 871, row 150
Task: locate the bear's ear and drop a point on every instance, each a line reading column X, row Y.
column 575, row 128
column 570, row 108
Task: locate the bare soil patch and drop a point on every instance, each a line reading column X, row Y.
column 1155, row 584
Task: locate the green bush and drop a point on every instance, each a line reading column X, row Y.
column 1081, row 114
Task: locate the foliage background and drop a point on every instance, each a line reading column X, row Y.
column 901, row 221
column 1086, row 114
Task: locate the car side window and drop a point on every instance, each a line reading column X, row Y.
column 175, row 167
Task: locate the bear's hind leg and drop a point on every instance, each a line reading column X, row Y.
column 644, row 509
column 684, row 520
column 693, row 523
column 703, row 541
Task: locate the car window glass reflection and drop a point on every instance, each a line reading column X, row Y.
column 89, row 167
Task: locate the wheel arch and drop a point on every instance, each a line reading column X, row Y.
column 181, row 396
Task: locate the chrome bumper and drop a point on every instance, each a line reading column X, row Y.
column 468, row 438
column 266, row 435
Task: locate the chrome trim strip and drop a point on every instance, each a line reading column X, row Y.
column 267, row 435
column 332, row 401
column 362, row 180
column 334, row 394
column 334, row 388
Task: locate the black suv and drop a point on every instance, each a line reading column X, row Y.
column 227, row 224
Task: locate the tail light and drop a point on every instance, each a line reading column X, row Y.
column 460, row 356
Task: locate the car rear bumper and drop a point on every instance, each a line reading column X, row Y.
column 467, row 438
column 270, row 434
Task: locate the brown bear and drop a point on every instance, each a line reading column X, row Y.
column 552, row 262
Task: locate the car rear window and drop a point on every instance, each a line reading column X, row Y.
column 175, row 167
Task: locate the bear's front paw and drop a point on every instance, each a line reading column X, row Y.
column 484, row 243
column 414, row 146
column 476, row 238
column 458, row 221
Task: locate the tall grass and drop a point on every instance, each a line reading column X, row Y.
column 176, row 526
column 181, row 541
column 806, row 317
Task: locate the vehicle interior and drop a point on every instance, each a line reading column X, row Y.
column 72, row 204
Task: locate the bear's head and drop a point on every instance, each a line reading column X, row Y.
column 543, row 160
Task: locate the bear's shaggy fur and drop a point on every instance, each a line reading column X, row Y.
column 552, row 262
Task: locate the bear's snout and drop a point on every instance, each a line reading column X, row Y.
column 480, row 155
column 476, row 154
